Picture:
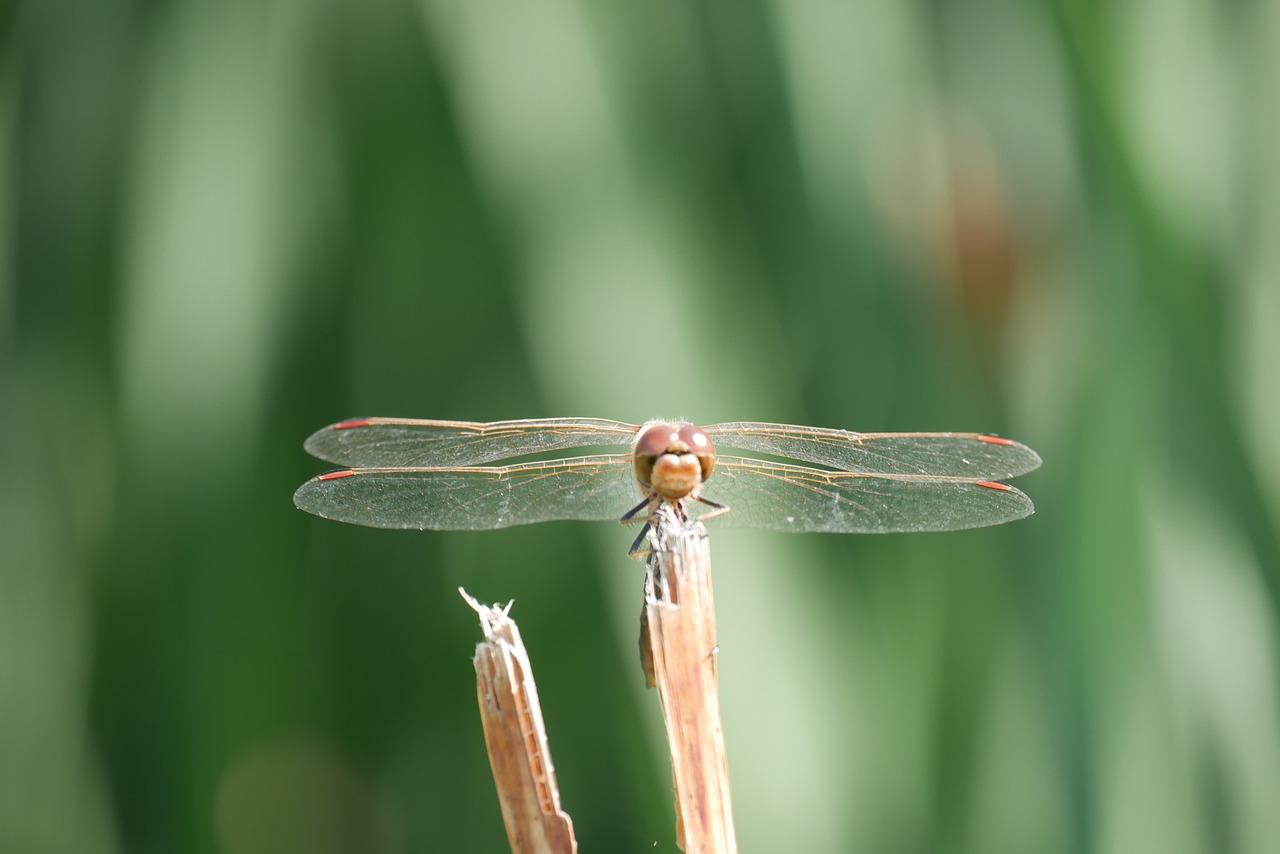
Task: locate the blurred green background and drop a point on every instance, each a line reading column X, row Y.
column 224, row 225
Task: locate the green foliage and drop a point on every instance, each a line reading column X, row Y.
column 225, row 225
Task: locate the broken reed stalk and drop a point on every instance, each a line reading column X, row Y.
column 516, row 738
column 678, row 645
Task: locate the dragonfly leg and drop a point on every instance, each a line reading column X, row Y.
column 630, row 515
column 717, row 509
column 635, row 550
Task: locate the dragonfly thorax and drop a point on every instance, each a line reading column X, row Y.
column 672, row 460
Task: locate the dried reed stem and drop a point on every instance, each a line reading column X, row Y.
column 516, row 739
column 679, row 647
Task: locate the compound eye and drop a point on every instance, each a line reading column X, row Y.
column 651, row 445
column 655, row 441
column 698, row 442
column 701, row 446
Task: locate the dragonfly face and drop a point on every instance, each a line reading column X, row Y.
column 463, row 475
column 672, row 460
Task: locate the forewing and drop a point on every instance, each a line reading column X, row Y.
column 411, row 442
column 476, row 498
column 781, row 497
column 976, row 456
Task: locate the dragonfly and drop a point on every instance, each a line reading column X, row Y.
column 462, row 475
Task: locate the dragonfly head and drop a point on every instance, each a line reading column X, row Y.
column 673, row 460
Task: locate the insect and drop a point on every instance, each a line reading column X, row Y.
column 460, row 475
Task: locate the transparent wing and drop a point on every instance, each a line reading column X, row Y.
column 781, row 497
column 469, row 499
column 977, row 456
column 404, row 442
